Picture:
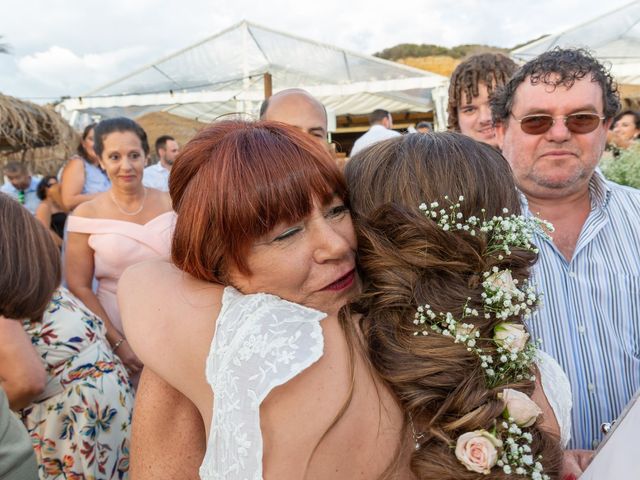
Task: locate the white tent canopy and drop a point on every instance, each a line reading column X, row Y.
column 225, row 74
column 613, row 38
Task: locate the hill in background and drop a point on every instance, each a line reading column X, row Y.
column 434, row 58
column 438, row 59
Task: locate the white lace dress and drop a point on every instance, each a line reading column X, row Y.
column 261, row 342
column 555, row 384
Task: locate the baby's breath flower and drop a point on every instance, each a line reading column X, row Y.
column 504, row 298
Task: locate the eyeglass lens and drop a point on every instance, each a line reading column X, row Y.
column 576, row 123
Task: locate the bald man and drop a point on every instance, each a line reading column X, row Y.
column 298, row 108
column 168, row 437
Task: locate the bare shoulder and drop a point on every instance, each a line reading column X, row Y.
column 43, row 208
column 159, row 197
column 91, row 208
column 162, row 305
column 74, row 162
column 73, row 167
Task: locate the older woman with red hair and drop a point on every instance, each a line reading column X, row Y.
column 262, row 208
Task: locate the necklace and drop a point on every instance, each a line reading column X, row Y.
column 123, row 211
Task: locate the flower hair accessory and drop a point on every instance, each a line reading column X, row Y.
column 507, row 356
column 502, row 295
column 506, row 446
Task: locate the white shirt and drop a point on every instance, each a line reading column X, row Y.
column 156, row 176
column 375, row 134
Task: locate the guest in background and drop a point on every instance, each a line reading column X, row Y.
column 51, row 212
column 125, row 225
column 381, row 123
column 424, row 127
column 78, row 413
column 157, row 176
column 22, row 374
column 82, row 177
column 624, row 132
column 21, row 186
column 472, row 83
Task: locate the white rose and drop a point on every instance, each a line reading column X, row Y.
column 477, row 450
column 504, row 281
column 520, row 407
column 511, row 336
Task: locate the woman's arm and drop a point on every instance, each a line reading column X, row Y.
column 79, row 272
column 72, row 183
column 166, row 426
column 43, row 214
column 22, row 373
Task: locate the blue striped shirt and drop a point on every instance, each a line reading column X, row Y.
column 590, row 316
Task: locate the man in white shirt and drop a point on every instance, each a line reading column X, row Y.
column 381, row 129
column 157, row 175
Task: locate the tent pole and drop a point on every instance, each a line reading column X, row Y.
column 268, row 87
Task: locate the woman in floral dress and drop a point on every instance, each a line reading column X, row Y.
column 80, row 429
column 80, row 421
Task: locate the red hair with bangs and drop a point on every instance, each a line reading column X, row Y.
column 234, row 182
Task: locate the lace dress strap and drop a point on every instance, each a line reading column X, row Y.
column 261, row 342
column 555, row 384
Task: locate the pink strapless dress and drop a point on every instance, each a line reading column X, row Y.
column 117, row 245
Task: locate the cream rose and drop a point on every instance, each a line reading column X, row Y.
column 504, row 281
column 478, row 450
column 520, row 407
column 511, row 336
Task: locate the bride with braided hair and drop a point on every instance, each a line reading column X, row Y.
column 445, row 260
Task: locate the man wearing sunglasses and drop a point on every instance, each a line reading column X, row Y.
column 552, row 119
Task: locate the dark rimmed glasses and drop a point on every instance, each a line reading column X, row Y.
column 539, row 123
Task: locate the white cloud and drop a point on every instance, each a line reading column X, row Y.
column 61, row 68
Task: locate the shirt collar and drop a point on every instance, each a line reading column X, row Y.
column 599, row 192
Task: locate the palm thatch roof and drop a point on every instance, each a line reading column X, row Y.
column 34, row 134
column 26, row 125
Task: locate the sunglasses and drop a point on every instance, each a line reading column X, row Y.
column 540, row 123
column 49, row 185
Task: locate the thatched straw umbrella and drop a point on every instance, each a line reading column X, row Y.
column 35, row 135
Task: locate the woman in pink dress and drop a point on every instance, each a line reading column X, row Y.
column 125, row 225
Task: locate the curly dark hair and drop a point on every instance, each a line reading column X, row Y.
column 406, row 260
column 492, row 69
column 560, row 66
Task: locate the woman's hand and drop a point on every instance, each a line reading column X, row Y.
column 574, row 463
column 22, row 373
column 131, row 362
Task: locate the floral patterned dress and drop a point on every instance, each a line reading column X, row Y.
column 80, row 425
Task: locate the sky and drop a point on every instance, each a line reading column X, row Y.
column 69, row 47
